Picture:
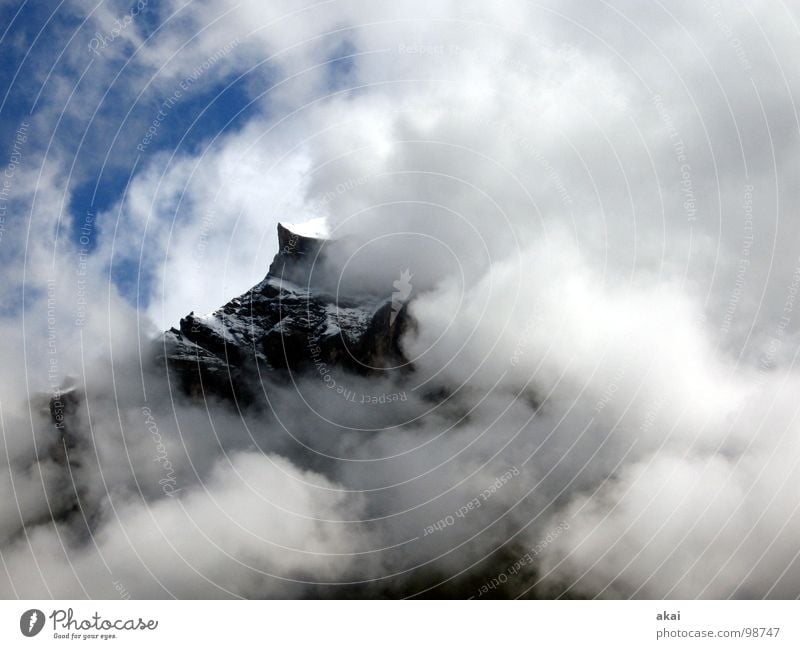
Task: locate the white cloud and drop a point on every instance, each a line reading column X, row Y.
column 574, row 188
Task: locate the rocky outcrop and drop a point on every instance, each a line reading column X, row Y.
column 62, row 409
column 59, row 440
column 284, row 323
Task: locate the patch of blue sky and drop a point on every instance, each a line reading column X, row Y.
column 102, row 149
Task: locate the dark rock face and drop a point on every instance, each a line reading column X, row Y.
column 284, row 323
column 63, row 408
column 296, row 256
column 62, row 443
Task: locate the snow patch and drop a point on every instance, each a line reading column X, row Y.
column 314, row 229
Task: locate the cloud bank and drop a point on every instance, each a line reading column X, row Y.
column 594, row 206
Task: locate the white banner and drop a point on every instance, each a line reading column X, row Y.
column 380, row 624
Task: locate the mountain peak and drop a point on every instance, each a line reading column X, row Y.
column 316, row 228
column 285, row 322
column 299, row 247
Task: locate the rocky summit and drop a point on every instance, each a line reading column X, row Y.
column 286, row 323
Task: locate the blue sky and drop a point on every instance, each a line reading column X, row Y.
column 91, row 96
column 93, row 133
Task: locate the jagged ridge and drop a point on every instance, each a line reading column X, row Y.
column 283, row 323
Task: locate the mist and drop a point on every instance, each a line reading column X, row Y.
column 588, row 213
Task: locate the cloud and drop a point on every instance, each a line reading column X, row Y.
column 593, row 207
column 247, row 532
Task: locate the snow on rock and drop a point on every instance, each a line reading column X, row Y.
column 276, row 325
column 313, row 229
